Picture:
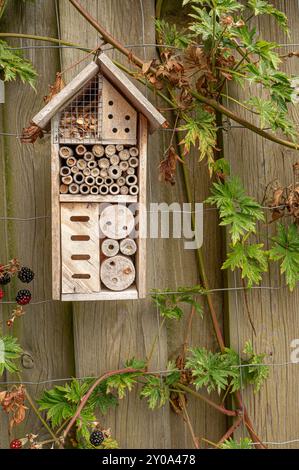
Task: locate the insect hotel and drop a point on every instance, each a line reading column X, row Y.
column 99, row 128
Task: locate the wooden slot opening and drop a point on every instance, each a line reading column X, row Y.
column 81, row 276
column 79, row 218
column 80, row 238
column 80, row 257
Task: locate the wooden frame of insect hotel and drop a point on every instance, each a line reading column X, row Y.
column 99, row 126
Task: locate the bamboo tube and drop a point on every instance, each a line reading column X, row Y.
column 131, row 179
column 74, row 169
column 71, row 161
column 110, row 150
column 104, row 163
column 92, row 164
column 124, row 154
column 114, row 171
column 108, row 181
column 64, row 189
column 103, row 189
column 81, row 164
column 130, row 171
column 133, row 190
column 99, row 180
column 89, row 180
column 78, row 178
column 65, row 171
column 84, row 188
column 119, row 147
column 128, row 246
column 133, row 162
column 123, row 165
column 94, row 190
column 95, row 172
column 80, row 149
column 114, row 189
column 98, row 150
column 74, row 188
column 134, row 152
column 121, row 181
column 86, row 171
column 103, row 173
column 88, row 156
column 110, row 247
column 124, row 190
column 114, row 159
column 67, row 179
column 65, row 152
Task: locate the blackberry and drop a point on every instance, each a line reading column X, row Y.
column 16, row 444
column 23, row 297
column 96, row 438
column 26, row 275
column 5, row 279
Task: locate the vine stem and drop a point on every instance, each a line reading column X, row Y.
column 91, row 389
column 188, row 421
column 207, row 400
column 155, row 342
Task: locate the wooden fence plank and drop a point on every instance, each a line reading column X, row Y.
column 274, row 312
column 45, row 331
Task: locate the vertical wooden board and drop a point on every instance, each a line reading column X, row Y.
column 142, row 219
column 127, row 329
column 80, row 275
column 45, row 331
column 274, row 311
column 55, row 211
column 119, row 119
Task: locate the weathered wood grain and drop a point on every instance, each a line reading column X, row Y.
column 45, row 331
column 55, row 212
column 274, row 312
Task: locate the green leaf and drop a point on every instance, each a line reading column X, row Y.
column 236, row 209
column 169, row 34
column 251, row 259
column 285, row 248
column 243, row 443
column 262, row 7
column 13, row 66
column 200, row 131
column 122, row 383
column 10, row 351
column 135, row 363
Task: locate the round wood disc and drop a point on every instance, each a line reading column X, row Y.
column 117, row 273
column 116, row 222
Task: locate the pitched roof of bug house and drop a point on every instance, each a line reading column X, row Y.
column 116, row 77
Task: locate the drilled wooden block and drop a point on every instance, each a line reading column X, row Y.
column 119, row 123
column 80, row 248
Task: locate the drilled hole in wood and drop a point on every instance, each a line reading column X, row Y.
column 81, row 276
column 80, row 238
column 112, row 263
column 114, row 279
column 110, row 116
column 79, row 218
column 127, row 130
column 127, row 117
column 108, row 223
column 110, row 103
column 80, row 257
column 114, row 130
column 125, row 227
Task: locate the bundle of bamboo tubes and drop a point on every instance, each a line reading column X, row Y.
column 99, row 169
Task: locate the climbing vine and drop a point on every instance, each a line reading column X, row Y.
column 192, row 75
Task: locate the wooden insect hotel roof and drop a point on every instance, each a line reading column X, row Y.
column 105, row 66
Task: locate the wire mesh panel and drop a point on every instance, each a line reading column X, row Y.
column 80, row 120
